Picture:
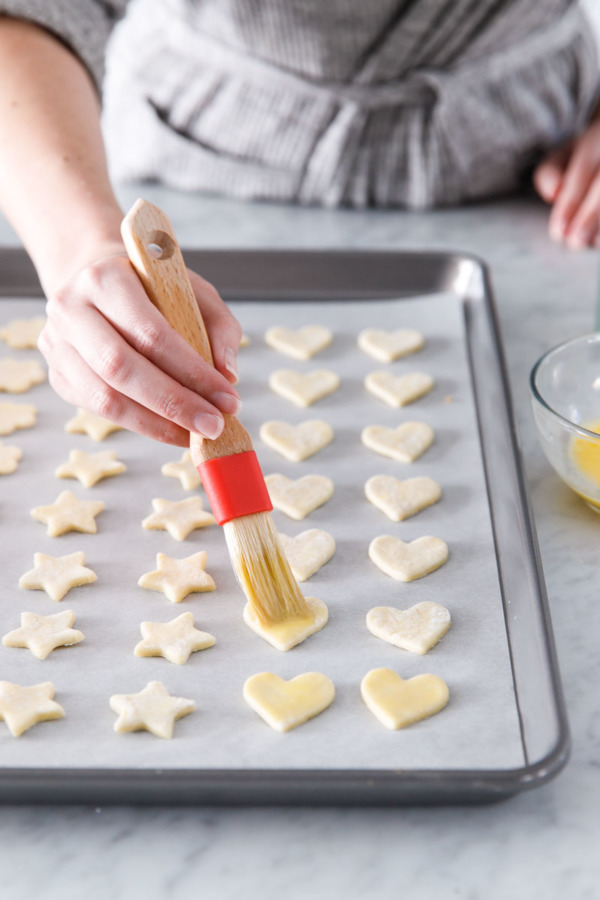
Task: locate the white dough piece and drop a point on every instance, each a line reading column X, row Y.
column 308, row 551
column 398, row 390
column 297, row 498
column 303, row 388
column 408, row 561
column 401, row 499
column 302, row 343
column 416, row 629
column 386, row 346
column 405, row 443
column 297, row 442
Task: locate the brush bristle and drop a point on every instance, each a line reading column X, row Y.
column 262, row 569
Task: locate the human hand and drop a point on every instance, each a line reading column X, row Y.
column 109, row 350
column 569, row 179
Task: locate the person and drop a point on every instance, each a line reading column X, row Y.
column 387, row 103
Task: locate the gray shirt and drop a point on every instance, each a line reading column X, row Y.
column 358, row 102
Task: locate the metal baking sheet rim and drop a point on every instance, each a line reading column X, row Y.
column 289, row 274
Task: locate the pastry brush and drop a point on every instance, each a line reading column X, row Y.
column 228, row 465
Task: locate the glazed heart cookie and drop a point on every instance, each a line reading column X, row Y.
column 301, row 344
column 285, row 635
column 401, row 499
column 297, row 442
column 397, row 702
column 303, row 388
column 405, row 443
column 407, row 562
column 285, row 704
column 416, row 629
column 299, row 498
column 389, row 345
column 308, row 551
column 398, row 390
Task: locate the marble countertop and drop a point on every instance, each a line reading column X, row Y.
column 540, row 843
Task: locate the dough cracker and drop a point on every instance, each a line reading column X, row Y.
column 67, row 513
column 9, row 458
column 397, row 702
column 178, row 517
column 89, row 468
column 416, row 629
column 57, row 574
column 152, row 709
column 303, row 389
column 175, row 640
column 386, row 346
column 177, row 578
column 285, row 635
column 86, row 422
column 407, row 562
column 301, row 344
column 285, row 704
column 308, row 551
column 401, row 499
column 185, row 470
column 23, row 707
column 398, row 390
column 297, row 442
column 405, row 443
column 16, row 415
column 19, row 375
column 43, row 634
column 300, row 497
column 23, row 334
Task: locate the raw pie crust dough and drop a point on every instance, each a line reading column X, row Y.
column 387, row 346
column 86, row 422
column 405, row 443
column 300, row 497
column 9, row 458
column 178, row 517
column 16, row 415
column 407, row 562
column 303, row 389
column 285, row 635
column 23, row 707
column 297, row 442
column 175, row 640
column 308, row 551
column 177, row 578
column 401, row 499
column 23, row 334
column 301, row 344
column 57, row 574
column 397, row 702
column 398, row 390
column 67, row 513
column 285, row 704
column 43, row 634
column 89, row 468
column 416, row 629
column 185, row 470
column 152, row 709
column 18, row 375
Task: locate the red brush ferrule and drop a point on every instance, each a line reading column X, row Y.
column 235, row 486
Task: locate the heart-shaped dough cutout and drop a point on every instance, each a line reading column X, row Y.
column 285, row 704
column 407, row 562
column 401, row 499
column 416, row 629
column 285, row 635
column 300, row 497
column 397, row 702
column 303, row 388
column 387, row 346
column 308, row 551
column 301, row 344
column 405, row 443
column 297, row 442
column 398, row 390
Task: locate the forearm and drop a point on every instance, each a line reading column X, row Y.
column 54, row 185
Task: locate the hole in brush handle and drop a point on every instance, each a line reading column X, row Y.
column 160, row 245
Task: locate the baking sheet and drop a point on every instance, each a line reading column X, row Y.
column 480, row 727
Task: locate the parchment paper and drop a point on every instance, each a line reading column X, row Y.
column 478, row 729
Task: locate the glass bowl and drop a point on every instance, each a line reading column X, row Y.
column 565, row 387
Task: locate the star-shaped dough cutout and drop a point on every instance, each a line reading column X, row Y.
column 23, row 334
column 89, row 468
column 185, row 470
column 86, row 422
column 43, row 634
column 22, row 707
column 16, row 415
column 177, row 578
column 57, row 574
column 18, row 375
column 152, row 709
column 175, row 640
column 178, row 517
column 9, row 458
column 67, row 513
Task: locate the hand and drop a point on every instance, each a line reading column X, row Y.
column 569, row 179
column 109, row 350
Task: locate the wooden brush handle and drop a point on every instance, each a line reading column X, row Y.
column 155, row 255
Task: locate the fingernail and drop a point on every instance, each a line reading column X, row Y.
column 231, row 362
column 557, row 231
column 208, row 425
column 227, row 403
